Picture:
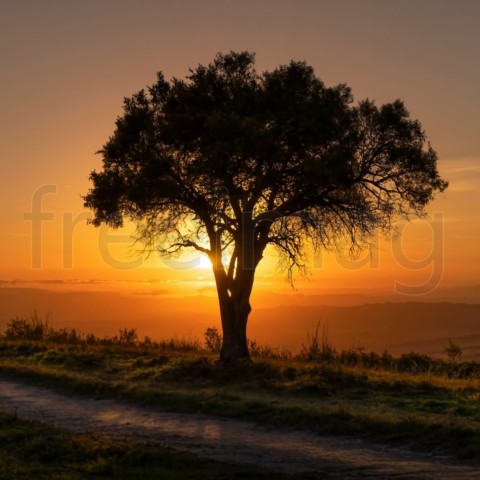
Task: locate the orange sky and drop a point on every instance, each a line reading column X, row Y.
column 66, row 67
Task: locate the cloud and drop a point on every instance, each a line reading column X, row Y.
column 154, row 293
column 463, row 174
column 464, row 185
column 71, row 281
column 55, row 281
column 206, row 289
column 15, row 281
column 92, row 281
column 51, row 282
column 461, row 166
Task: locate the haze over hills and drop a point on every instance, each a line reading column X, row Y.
column 376, row 322
column 467, row 294
column 396, row 327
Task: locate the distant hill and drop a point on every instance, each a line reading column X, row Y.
column 397, row 327
column 284, row 320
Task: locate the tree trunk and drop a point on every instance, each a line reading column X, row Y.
column 234, row 311
column 234, row 326
column 234, row 292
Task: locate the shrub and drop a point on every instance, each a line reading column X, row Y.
column 32, row 328
column 318, row 346
column 128, row 336
column 266, row 351
column 453, row 351
column 63, row 335
column 179, row 344
column 213, row 339
column 415, row 363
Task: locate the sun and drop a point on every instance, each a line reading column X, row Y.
column 204, row 262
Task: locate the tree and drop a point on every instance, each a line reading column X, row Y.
column 229, row 161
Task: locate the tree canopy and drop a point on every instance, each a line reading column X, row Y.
column 229, row 160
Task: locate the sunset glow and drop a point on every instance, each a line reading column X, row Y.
column 66, row 67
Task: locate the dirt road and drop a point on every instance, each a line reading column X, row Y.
column 228, row 440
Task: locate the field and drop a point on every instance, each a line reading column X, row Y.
column 428, row 404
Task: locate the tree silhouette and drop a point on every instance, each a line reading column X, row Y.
column 228, row 161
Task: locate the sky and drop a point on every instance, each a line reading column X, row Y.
column 66, row 67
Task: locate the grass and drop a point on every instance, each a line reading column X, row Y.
column 58, row 455
column 428, row 403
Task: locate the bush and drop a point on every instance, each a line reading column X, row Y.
column 266, row 351
column 213, row 339
column 128, row 336
column 453, row 351
column 32, row 328
column 63, row 335
column 318, row 346
column 415, row 363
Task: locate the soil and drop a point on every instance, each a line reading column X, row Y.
column 228, row 440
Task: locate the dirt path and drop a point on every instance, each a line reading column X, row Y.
column 228, row 440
